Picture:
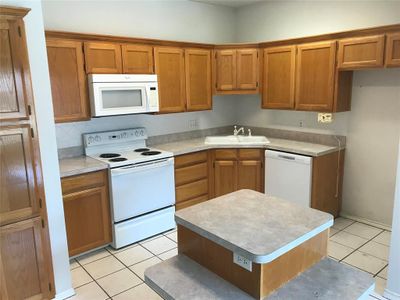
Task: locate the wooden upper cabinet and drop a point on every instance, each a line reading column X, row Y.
column 13, row 58
column 103, row 58
column 23, row 273
column 247, row 69
column 68, row 80
column 137, row 59
column 363, row 52
column 315, row 76
column 393, row 50
column 17, row 181
column 170, row 68
column 198, row 79
column 225, row 70
column 279, row 77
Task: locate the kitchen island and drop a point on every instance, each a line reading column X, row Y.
column 253, row 246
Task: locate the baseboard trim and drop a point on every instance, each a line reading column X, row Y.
column 366, row 221
column 64, row 295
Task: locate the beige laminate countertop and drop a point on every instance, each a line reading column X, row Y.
column 83, row 164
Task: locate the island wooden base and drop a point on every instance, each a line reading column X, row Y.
column 264, row 278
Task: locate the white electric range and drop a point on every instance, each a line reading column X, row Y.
column 142, row 186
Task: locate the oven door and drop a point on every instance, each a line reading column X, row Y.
column 118, row 98
column 142, row 188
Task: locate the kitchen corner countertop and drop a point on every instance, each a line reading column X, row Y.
column 297, row 147
column 253, row 225
column 79, row 165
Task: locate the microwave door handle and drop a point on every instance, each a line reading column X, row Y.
column 141, row 167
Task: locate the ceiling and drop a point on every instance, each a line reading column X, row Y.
column 230, row 3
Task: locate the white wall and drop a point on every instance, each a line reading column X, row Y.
column 173, row 20
column 372, row 126
column 47, row 138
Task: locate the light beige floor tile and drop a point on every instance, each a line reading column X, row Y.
column 168, row 254
column 133, row 255
column 378, row 250
column 348, row 239
column 114, row 251
column 151, row 238
column 363, row 230
column 103, row 267
column 89, row 291
column 380, row 285
column 139, row 268
column 383, row 238
column 80, row 277
column 73, row 264
column 365, row 262
column 338, row 251
column 173, row 236
column 139, row 292
column 341, row 223
column 332, row 231
column 118, row 282
column 92, row 256
column 383, row 273
column 159, row 245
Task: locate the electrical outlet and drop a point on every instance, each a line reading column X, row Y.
column 301, row 123
column 193, row 124
column 243, row 262
column 325, row 118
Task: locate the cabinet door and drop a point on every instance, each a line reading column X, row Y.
column 249, row 175
column 170, row 68
column 103, row 58
column 22, row 269
column 87, row 220
column 12, row 57
column 315, row 76
column 393, row 50
column 68, row 80
column 198, row 79
column 137, row 59
column 363, row 52
column 225, row 70
column 247, row 69
column 279, row 76
column 17, row 193
column 225, row 177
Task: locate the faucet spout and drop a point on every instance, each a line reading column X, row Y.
column 237, row 131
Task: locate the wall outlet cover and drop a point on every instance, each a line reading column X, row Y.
column 325, row 118
column 243, row 262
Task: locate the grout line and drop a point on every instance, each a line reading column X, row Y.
column 130, row 288
column 381, row 271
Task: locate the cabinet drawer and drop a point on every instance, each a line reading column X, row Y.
column 189, row 159
column 191, row 190
column 250, row 153
column 191, row 202
column 85, row 181
column 190, row 173
column 225, row 154
column 361, row 52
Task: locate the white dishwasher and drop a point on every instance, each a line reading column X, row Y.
column 288, row 176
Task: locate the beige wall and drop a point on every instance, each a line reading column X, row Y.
column 372, row 126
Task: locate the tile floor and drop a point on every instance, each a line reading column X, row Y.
column 119, row 274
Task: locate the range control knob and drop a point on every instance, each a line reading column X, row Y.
column 142, row 132
column 90, row 140
column 137, row 133
column 97, row 138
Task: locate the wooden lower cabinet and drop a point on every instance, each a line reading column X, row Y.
column 22, row 261
column 191, row 179
column 236, row 169
column 86, row 211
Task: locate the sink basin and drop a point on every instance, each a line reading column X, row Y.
column 256, row 140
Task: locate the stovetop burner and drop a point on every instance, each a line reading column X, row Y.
column 141, row 150
column 109, row 155
column 117, row 159
column 148, row 153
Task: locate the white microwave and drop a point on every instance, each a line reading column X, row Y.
column 122, row 94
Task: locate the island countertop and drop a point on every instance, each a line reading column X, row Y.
column 253, row 225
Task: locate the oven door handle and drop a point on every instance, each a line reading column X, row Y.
column 142, row 167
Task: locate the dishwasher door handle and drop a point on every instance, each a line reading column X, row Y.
column 287, row 157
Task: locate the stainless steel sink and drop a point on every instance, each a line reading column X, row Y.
column 256, row 140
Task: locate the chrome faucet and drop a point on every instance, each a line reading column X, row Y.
column 249, row 131
column 237, row 131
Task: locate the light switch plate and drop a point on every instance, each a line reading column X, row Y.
column 325, row 118
column 243, row 262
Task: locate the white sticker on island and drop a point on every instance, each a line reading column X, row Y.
column 242, row 261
